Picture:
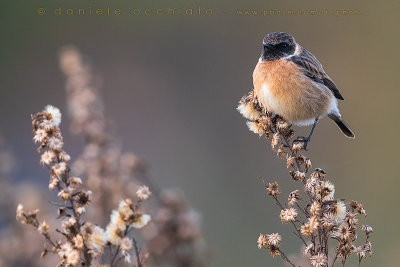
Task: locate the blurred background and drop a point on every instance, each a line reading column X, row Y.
column 171, row 83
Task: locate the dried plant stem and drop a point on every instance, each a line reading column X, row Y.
column 137, row 252
column 114, row 257
column 286, row 258
column 294, row 225
column 326, row 217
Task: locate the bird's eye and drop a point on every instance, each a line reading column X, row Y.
column 284, row 47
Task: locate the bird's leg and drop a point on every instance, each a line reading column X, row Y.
column 306, row 140
column 312, row 130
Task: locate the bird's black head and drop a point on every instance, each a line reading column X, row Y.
column 277, row 45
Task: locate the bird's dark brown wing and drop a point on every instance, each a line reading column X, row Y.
column 314, row 70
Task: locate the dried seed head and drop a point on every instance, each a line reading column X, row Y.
column 275, row 140
column 69, row 225
column 54, row 182
column 360, row 252
column 75, row 181
column 255, row 127
column 143, row 192
column 273, row 189
column 125, row 213
column 43, row 228
column 63, row 156
column 319, row 260
column 83, row 198
column 39, row 136
column 262, row 241
column 274, row 239
column 47, row 157
column 113, row 234
column 54, row 113
column 281, row 152
column 141, row 221
column 81, row 210
column 288, row 215
column 64, row 194
column 96, row 240
column 55, row 143
column 311, row 185
column 293, row 197
column 345, row 249
column 47, row 125
column 314, row 223
column 296, row 146
column 325, row 191
column 282, row 125
column 367, row 247
column 78, row 241
column 307, row 161
column 343, row 233
column 126, row 246
column 20, row 213
column 59, row 169
column 358, row 207
column 274, row 251
column 306, row 230
column 367, row 229
column 290, row 160
column 68, row 254
column 299, row 175
column 315, row 209
column 308, row 249
column 351, row 218
column 329, row 220
column 339, row 210
column 318, row 173
column 248, row 110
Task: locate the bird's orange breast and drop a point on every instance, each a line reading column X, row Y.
column 283, row 89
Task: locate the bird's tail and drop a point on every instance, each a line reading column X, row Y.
column 342, row 125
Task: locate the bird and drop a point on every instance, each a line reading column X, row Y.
column 290, row 82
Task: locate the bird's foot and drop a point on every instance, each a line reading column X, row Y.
column 304, row 140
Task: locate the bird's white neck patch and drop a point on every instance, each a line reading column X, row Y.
column 297, row 52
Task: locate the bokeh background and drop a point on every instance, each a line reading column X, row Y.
column 171, row 85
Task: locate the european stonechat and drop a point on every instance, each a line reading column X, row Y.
column 289, row 81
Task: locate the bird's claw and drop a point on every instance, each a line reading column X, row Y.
column 304, row 140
